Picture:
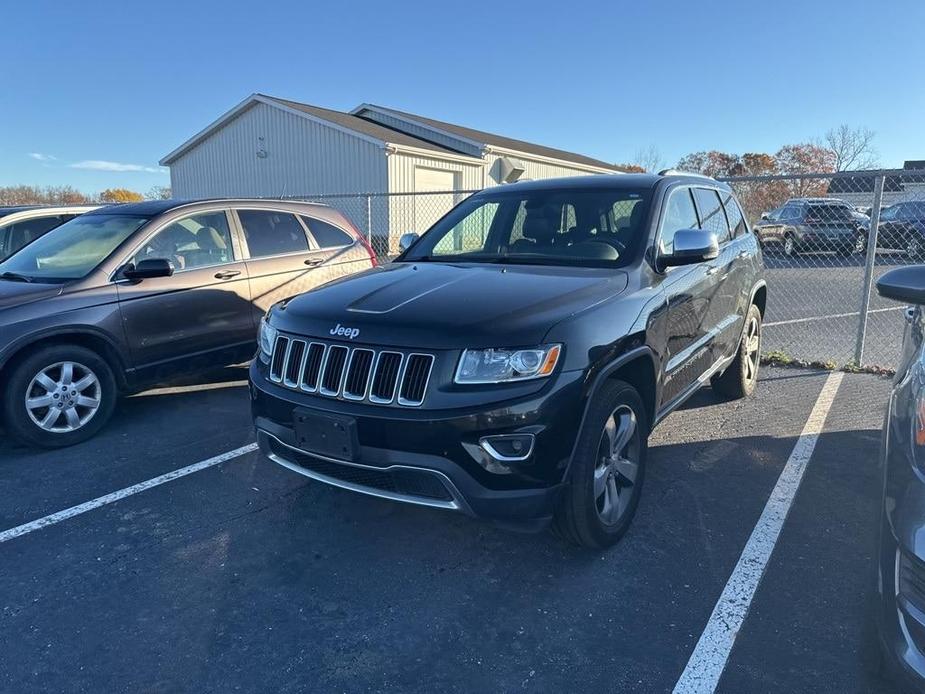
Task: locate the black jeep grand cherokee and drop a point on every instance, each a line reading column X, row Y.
column 511, row 362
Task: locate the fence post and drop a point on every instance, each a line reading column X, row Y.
column 369, row 219
column 869, row 268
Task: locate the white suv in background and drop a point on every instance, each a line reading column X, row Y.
column 23, row 224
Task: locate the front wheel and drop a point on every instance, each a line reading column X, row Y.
column 605, row 480
column 913, row 249
column 790, row 246
column 58, row 396
column 740, row 378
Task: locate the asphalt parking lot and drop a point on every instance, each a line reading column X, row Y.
column 246, row 577
column 814, row 306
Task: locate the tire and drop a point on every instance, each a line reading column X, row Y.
column 42, row 376
column 598, row 520
column 741, row 377
column 790, row 246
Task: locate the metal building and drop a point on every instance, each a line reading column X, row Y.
column 271, row 147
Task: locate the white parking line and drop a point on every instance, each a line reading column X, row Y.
column 707, row 662
column 831, row 315
column 54, row 518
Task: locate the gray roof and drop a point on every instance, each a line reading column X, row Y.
column 361, row 125
column 501, row 141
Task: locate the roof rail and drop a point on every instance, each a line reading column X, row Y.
column 678, row 172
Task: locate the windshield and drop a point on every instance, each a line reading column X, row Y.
column 539, row 227
column 73, row 249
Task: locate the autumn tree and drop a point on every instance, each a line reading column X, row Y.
column 851, row 148
column 159, row 193
column 120, row 195
column 805, row 158
column 629, row 168
column 35, row 195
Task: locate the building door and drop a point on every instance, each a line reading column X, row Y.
column 429, row 208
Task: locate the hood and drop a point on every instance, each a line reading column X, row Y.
column 449, row 306
column 14, row 293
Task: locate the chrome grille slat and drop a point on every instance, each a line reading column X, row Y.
column 358, row 374
column 332, row 375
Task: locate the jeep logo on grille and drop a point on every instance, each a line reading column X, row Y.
column 345, row 332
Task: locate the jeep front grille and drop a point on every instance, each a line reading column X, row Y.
column 381, row 377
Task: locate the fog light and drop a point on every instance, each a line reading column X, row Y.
column 508, row 448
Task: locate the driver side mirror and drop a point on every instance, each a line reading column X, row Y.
column 765, row 217
column 407, row 240
column 691, row 246
column 906, row 284
column 148, row 269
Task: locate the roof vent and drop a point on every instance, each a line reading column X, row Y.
column 509, row 170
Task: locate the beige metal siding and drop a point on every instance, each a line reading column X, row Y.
column 535, row 169
column 405, row 211
column 302, row 158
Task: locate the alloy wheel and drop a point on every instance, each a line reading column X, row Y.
column 618, row 465
column 752, row 345
column 913, row 249
column 789, row 246
column 63, row 397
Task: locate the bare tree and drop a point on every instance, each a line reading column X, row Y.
column 159, row 193
column 649, row 159
column 851, row 148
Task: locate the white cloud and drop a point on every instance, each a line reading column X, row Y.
column 38, row 156
column 101, row 165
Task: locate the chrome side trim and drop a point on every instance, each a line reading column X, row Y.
column 456, row 505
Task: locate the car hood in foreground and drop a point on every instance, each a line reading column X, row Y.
column 13, row 293
column 449, row 305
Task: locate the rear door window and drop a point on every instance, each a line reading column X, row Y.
column 271, row 233
column 327, row 235
column 680, row 213
column 734, row 215
column 712, row 217
column 19, row 234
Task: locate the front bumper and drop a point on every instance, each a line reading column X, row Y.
column 432, row 457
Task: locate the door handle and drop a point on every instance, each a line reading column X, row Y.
column 743, row 254
column 712, row 270
column 314, row 262
column 909, row 313
column 226, row 274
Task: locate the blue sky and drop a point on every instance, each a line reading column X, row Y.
column 90, row 88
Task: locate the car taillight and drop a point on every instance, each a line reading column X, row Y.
column 918, row 425
column 369, row 249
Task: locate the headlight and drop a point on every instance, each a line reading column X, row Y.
column 266, row 339
column 503, row 365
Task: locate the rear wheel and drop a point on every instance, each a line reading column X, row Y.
column 741, row 377
column 59, row 396
column 607, row 472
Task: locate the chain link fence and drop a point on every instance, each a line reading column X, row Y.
column 826, row 239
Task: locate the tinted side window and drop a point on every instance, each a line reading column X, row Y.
column 679, row 214
column 327, row 235
column 272, row 233
column 712, row 217
column 19, row 234
column 199, row 240
column 734, row 215
column 790, row 213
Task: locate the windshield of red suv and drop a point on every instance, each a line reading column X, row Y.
column 597, row 227
column 73, row 249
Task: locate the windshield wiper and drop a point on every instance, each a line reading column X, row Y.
column 15, row 277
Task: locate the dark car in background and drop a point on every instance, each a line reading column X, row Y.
column 813, row 225
column 901, row 611
column 902, row 227
column 130, row 295
column 511, row 363
column 22, row 224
